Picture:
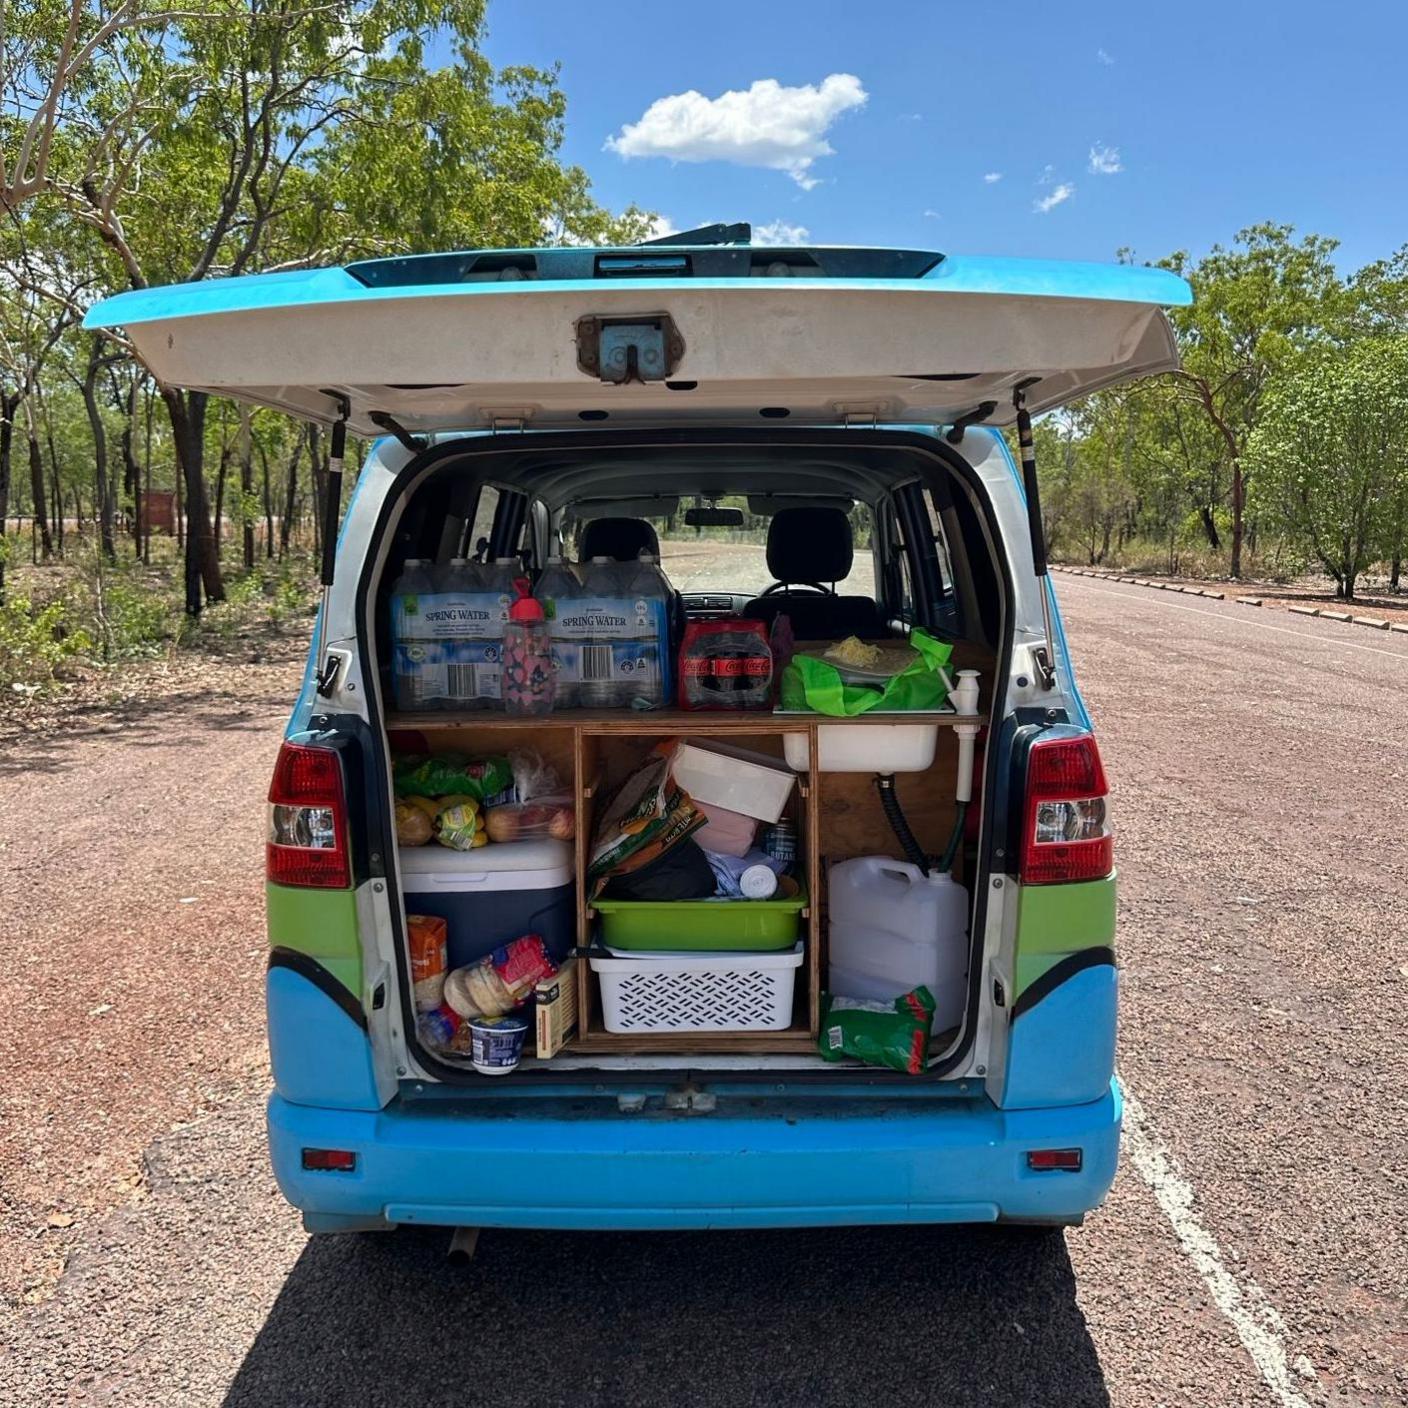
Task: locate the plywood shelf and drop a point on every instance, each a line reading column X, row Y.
column 599, row 1043
column 700, row 722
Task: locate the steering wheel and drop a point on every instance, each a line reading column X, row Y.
column 816, row 587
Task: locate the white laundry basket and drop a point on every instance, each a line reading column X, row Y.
column 697, row 992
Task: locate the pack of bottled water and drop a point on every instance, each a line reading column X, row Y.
column 610, row 633
column 447, row 630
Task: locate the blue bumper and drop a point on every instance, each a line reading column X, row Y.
column 772, row 1162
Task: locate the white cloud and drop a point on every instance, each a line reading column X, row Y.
column 932, row 215
column 1105, row 58
column 1105, row 161
column 661, row 226
column 991, row 178
column 780, row 232
column 1063, row 192
column 1048, row 175
column 767, row 125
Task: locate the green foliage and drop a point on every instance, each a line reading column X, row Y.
column 1331, row 454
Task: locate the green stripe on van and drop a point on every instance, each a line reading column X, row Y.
column 320, row 923
column 1056, row 920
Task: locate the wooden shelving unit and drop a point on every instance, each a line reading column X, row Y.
column 593, row 745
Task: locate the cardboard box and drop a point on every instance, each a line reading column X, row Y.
column 555, row 1010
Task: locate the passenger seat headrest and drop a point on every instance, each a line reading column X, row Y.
column 620, row 538
column 811, row 544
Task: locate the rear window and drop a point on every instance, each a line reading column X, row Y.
column 735, row 559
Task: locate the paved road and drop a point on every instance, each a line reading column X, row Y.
column 1252, row 1251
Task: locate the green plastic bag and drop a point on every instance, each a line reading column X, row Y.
column 894, row 1035
column 450, row 775
column 811, row 683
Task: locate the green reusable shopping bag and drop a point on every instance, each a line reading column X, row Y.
column 810, row 683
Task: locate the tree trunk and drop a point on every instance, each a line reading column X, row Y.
column 36, row 487
column 246, row 453
column 1210, row 527
column 1238, row 504
column 290, row 497
column 145, row 482
column 55, row 488
column 268, row 507
column 1395, row 568
column 131, row 470
column 102, row 494
column 315, row 469
column 187, row 413
column 9, row 404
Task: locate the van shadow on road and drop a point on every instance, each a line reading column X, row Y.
column 847, row 1316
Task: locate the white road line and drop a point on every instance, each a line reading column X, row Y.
column 1258, row 1324
column 1254, row 625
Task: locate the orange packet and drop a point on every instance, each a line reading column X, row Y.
column 427, row 935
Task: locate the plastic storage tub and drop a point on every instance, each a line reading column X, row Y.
column 493, row 895
column 702, row 926
column 682, row 992
column 865, row 748
column 752, row 783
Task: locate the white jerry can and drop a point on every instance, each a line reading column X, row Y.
column 894, row 928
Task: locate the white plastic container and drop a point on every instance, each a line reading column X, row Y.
column 493, row 895
column 892, row 928
column 697, row 992
column 862, row 747
column 733, row 778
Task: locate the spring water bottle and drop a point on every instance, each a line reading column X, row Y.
column 603, row 627
column 418, row 674
column 645, row 665
column 459, row 598
column 558, row 589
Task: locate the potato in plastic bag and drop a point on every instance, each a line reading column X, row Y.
column 413, row 827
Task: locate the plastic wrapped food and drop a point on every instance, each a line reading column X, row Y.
column 894, row 1034
column 544, row 818
column 450, row 774
column 646, row 815
column 413, row 827
column 427, row 941
column 460, row 827
column 500, row 982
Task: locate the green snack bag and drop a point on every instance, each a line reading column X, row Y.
column 450, row 775
column 809, row 682
column 894, row 1034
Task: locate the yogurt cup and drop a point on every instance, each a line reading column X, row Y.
column 496, row 1043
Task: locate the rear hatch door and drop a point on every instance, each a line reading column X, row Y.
column 658, row 336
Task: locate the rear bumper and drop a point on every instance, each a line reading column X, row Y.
column 545, row 1163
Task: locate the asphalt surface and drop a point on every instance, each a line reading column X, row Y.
column 1252, row 1251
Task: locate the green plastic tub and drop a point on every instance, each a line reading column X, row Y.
column 702, row 926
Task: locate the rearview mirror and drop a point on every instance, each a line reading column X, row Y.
column 713, row 517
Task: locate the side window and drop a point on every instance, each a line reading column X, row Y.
column 936, row 527
column 898, row 571
column 482, row 529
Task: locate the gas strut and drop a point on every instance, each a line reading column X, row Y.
column 332, row 512
column 1045, row 653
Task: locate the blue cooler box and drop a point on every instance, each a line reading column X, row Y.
column 493, row 895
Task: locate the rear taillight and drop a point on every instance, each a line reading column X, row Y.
column 330, row 1160
column 1067, row 835
column 307, row 820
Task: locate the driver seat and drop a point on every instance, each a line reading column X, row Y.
column 811, row 546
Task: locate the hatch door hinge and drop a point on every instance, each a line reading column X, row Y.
column 506, row 420
column 621, row 350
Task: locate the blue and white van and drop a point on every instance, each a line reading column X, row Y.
column 515, row 397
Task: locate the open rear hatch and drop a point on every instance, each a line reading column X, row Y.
column 646, row 335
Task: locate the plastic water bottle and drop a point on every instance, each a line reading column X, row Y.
column 557, row 589
column 497, row 594
column 458, row 591
column 418, row 673
column 644, row 665
column 602, row 630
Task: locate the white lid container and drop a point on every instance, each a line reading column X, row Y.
column 859, row 747
column 720, row 776
column 505, row 865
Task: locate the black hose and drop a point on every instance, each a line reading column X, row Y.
column 890, row 804
column 954, row 840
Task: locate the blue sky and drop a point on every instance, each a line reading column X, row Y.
column 1103, row 125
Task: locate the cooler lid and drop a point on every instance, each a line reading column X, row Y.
column 503, row 865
